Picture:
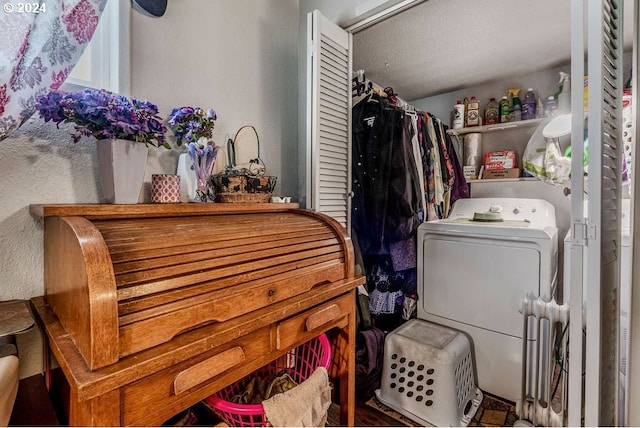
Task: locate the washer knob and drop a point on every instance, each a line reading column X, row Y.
column 495, row 209
column 516, row 210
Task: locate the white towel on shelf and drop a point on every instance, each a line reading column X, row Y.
column 306, row 405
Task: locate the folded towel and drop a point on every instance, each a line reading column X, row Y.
column 306, row 405
column 263, row 386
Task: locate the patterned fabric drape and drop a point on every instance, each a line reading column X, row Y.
column 40, row 42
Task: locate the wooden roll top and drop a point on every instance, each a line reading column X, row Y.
column 140, row 278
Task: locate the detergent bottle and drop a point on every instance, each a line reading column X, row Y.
column 473, row 112
column 504, row 109
column 529, row 105
column 458, row 115
column 564, row 94
column 515, row 112
column 492, row 112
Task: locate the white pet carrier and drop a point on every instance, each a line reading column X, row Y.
column 428, row 375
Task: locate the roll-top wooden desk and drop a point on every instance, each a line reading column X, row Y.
column 149, row 309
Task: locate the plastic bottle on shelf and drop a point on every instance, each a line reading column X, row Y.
column 458, row 115
column 473, row 112
column 465, row 101
column 504, row 109
column 564, row 94
column 529, row 105
column 550, row 107
column 515, row 112
column 491, row 112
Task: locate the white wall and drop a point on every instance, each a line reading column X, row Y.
column 239, row 57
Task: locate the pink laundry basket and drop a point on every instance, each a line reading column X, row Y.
column 302, row 362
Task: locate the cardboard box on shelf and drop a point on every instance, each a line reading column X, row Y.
column 502, row 159
column 501, row 173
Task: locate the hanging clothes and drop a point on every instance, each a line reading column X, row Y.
column 387, row 204
column 460, row 186
column 404, row 172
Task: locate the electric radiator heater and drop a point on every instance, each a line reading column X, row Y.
column 543, row 399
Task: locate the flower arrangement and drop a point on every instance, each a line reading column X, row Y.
column 104, row 115
column 193, row 127
column 190, row 124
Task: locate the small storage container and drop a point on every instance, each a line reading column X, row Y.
column 298, row 363
column 428, row 375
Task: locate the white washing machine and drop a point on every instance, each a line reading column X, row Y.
column 472, row 275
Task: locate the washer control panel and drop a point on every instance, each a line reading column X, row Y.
column 538, row 212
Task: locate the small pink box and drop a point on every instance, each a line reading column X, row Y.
column 165, row 188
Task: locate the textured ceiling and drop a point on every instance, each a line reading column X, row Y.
column 443, row 45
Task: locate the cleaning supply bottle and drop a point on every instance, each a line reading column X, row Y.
column 465, row 101
column 473, row 112
column 529, row 105
column 504, row 109
column 491, row 112
column 550, row 107
column 515, row 112
column 458, row 115
column 564, row 94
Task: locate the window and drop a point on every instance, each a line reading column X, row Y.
column 105, row 62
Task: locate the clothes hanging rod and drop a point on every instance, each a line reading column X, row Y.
column 376, row 14
column 359, row 77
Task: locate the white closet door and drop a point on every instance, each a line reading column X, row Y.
column 633, row 346
column 601, row 231
column 329, row 118
column 577, row 246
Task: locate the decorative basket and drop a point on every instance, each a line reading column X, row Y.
column 243, row 188
column 244, row 179
column 299, row 364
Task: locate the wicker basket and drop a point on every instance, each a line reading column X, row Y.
column 238, row 198
column 243, row 188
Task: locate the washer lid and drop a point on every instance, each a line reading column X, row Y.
column 537, row 212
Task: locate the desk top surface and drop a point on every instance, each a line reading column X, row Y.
column 153, row 210
column 15, row 317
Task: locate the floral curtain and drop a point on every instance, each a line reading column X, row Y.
column 41, row 41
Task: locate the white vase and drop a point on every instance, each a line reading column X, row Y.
column 121, row 166
column 188, row 182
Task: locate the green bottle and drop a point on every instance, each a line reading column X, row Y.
column 504, row 109
column 515, row 112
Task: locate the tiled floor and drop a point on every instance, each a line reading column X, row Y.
column 492, row 412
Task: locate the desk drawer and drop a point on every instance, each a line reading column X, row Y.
column 164, row 394
column 312, row 322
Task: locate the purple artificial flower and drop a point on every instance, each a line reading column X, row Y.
column 103, row 114
column 189, row 124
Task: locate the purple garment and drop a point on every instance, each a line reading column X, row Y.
column 403, row 254
column 460, row 187
column 369, row 361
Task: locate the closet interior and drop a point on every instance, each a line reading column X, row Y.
column 405, row 171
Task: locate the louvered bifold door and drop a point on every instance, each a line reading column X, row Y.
column 632, row 394
column 603, row 224
column 329, row 133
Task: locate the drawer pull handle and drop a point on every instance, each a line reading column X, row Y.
column 323, row 316
column 207, row 369
column 272, row 292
